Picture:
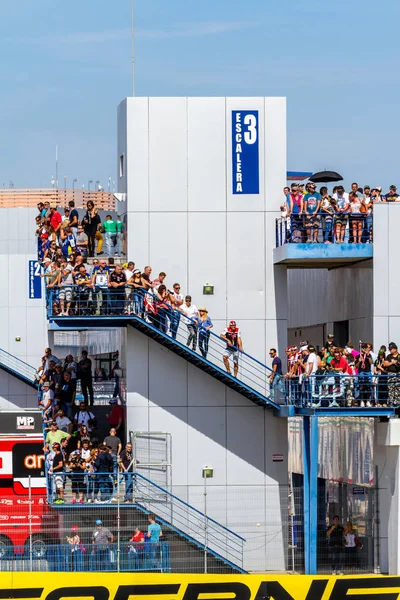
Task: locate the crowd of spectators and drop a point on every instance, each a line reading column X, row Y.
column 63, row 235
column 313, row 216
column 72, row 446
column 337, row 376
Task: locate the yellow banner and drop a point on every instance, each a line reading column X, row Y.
column 137, row 586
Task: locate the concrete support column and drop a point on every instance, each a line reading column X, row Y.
column 310, row 456
column 387, row 460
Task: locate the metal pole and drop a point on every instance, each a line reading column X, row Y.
column 30, row 524
column 118, row 525
column 56, row 166
column 205, row 525
column 133, row 46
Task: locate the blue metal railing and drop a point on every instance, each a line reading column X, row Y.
column 331, row 389
column 92, row 303
column 171, row 511
column 17, row 366
column 324, row 229
column 113, row 557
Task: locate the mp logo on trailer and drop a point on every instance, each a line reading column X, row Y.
column 245, row 159
column 35, row 282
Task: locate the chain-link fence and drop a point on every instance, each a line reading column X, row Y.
column 217, row 529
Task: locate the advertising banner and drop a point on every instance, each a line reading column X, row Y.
column 245, row 152
column 133, row 586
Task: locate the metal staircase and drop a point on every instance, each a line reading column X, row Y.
column 18, row 368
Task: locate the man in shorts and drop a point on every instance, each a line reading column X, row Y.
column 233, row 346
column 310, row 207
column 66, row 282
column 57, row 470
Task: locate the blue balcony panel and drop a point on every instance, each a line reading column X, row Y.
column 322, row 255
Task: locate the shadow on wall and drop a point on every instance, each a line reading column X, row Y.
column 14, row 393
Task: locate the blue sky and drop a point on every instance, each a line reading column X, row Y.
column 67, row 65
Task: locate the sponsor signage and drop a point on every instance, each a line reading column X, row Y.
column 245, row 152
column 132, row 586
column 23, row 422
column 277, row 458
column 35, row 282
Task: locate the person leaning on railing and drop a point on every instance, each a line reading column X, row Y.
column 392, row 365
column 327, row 209
column 117, row 290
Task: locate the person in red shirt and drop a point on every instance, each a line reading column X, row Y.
column 339, row 363
column 116, row 417
column 137, row 538
column 55, row 218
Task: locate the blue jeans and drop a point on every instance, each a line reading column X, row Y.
column 204, row 337
column 118, row 245
column 174, row 317
column 129, row 478
column 109, row 243
column 162, row 319
column 327, row 227
column 138, row 300
column 105, row 486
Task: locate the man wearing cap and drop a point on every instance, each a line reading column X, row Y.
column 342, row 213
column 310, row 207
column 330, row 342
column 101, row 538
column 54, row 435
column 392, row 195
column 63, row 423
column 231, row 335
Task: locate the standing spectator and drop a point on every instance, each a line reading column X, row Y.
column 154, row 533
column 55, row 218
column 63, row 423
column 129, row 268
column 369, row 206
column 381, row 372
column 127, row 464
column 232, row 336
column 101, row 539
column 73, row 217
column 376, row 195
column 120, row 232
column 104, row 468
column 67, row 394
column 91, row 222
column 330, row 343
column 158, row 281
column 57, row 473
column 327, row 212
column 116, row 417
column 392, row 196
column 83, row 287
column 357, row 211
column 77, row 467
column 76, row 548
column 294, row 202
column 146, row 278
column 117, row 289
column 335, row 535
column 275, row 379
column 110, row 229
column 190, row 310
column 112, row 441
column 138, row 292
column 82, row 241
column 204, row 327
column 65, row 283
column 342, row 209
column 310, row 207
column 83, row 436
column 176, row 299
column 311, row 368
column 54, row 435
column 85, row 373
column 49, row 357
column 101, row 284
column 163, row 307
column 392, row 365
column 84, row 417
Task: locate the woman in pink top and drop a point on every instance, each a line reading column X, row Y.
column 357, row 214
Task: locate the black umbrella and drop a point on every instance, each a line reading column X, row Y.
column 326, row 177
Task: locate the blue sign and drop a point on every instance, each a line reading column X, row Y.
column 245, row 159
column 35, row 281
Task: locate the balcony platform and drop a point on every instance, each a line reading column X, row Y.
column 322, row 256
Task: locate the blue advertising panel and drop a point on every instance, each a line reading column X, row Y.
column 35, row 281
column 245, row 159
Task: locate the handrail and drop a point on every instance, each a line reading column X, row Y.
column 293, row 228
column 89, row 304
column 17, row 365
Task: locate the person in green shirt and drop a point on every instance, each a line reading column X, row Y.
column 54, row 435
column 110, row 229
column 120, row 230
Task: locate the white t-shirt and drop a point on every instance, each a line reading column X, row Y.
column 178, row 297
column 83, row 418
column 74, row 367
column 312, row 359
column 63, row 423
column 189, row 311
column 350, row 540
column 85, row 454
column 128, row 274
column 47, row 395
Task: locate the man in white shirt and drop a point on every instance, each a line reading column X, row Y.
column 311, row 368
column 175, row 316
column 190, row 311
column 83, row 417
column 63, row 423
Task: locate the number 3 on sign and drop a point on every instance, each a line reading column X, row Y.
column 250, row 136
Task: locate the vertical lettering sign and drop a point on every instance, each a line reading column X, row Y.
column 245, row 159
column 35, row 282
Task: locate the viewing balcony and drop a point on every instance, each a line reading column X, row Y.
column 322, row 250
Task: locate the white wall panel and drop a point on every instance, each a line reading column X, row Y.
column 206, row 443
column 139, row 238
column 245, row 444
column 204, row 391
column 169, row 246
column 207, row 252
column 206, row 154
column 137, row 165
column 275, row 151
column 164, row 389
column 168, row 154
column 173, row 420
column 245, row 266
column 382, row 262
